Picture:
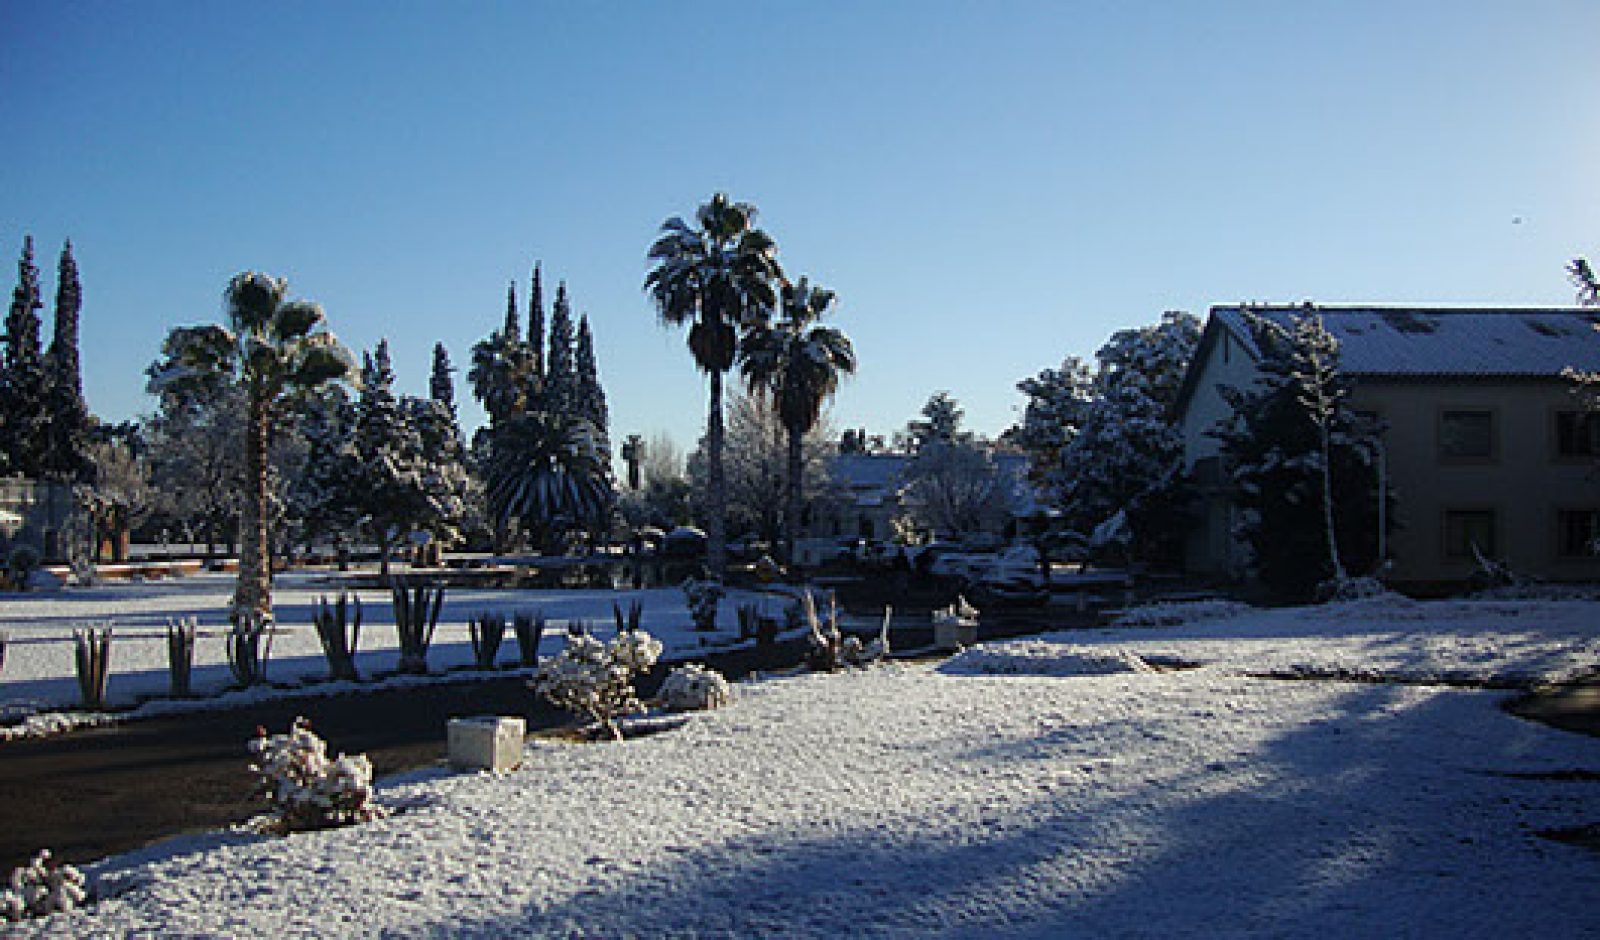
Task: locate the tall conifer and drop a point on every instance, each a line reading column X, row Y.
column 441, row 387
column 536, row 323
column 591, row 394
column 24, row 389
column 561, row 376
column 66, row 443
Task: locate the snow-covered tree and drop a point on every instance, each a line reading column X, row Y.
column 952, row 485
column 399, row 485
column 1300, row 457
column 197, row 460
column 756, row 462
column 1057, row 402
column 1584, row 279
column 65, row 452
column 23, row 416
column 536, row 356
column 1126, row 453
column 321, row 492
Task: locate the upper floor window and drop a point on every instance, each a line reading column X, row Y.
column 1466, row 435
column 1577, row 434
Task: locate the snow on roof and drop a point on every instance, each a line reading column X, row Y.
column 1446, row 341
column 867, row 471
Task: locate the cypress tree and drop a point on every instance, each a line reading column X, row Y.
column 441, row 387
column 591, row 395
column 24, row 371
column 561, row 376
column 536, row 324
column 66, row 443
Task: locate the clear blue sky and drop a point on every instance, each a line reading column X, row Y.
column 989, row 186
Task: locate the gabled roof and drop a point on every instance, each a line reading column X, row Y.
column 1445, row 341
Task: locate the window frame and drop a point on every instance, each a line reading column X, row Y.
column 1493, row 454
column 1446, row 548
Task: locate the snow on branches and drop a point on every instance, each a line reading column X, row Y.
column 595, row 679
column 304, row 788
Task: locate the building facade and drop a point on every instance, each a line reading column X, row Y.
column 1486, row 448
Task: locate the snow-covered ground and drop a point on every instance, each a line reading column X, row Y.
column 39, row 667
column 1078, row 795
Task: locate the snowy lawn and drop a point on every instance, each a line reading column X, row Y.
column 1470, row 641
column 903, row 801
column 39, row 672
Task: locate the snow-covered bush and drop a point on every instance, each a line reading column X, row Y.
column 703, row 598
column 1347, row 589
column 595, row 679
column 695, row 688
column 41, row 888
column 1177, row 613
column 303, row 787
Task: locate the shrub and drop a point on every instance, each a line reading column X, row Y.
column 93, row 657
column 416, row 614
column 247, row 653
column 529, row 629
column 695, row 688
column 703, row 598
column 487, row 631
column 832, row 648
column 306, row 790
column 41, row 888
column 180, row 654
column 339, row 629
column 595, row 679
column 23, row 562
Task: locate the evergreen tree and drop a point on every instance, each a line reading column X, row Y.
column 387, row 480
column 591, row 394
column 500, row 367
column 322, row 494
column 1301, row 456
column 24, row 390
column 441, row 387
column 536, row 325
column 66, row 443
column 561, row 375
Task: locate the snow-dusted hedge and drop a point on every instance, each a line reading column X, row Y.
column 1177, row 613
column 595, row 679
column 695, row 688
column 305, row 789
column 41, row 888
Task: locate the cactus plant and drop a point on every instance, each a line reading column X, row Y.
column 249, row 647
column 339, row 629
column 93, row 656
column 416, row 614
column 487, row 631
column 180, row 654
column 529, row 629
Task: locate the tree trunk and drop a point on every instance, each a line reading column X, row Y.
column 254, row 591
column 1327, row 503
column 716, row 495
column 791, row 521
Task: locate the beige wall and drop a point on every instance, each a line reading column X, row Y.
column 1523, row 481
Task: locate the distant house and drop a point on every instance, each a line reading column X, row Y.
column 867, row 492
column 1485, row 444
column 38, row 514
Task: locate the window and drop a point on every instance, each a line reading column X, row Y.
column 1465, row 529
column 1577, row 434
column 1578, row 533
column 1466, row 435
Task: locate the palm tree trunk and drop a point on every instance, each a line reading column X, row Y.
column 254, row 593
column 791, row 521
column 716, row 495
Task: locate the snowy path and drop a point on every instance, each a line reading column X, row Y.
column 903, row 801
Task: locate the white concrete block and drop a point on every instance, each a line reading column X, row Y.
column 486, row 742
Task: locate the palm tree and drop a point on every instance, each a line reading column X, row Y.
column 718, row 278
column 546, row 471
column 276, row 349
column 798, row 363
